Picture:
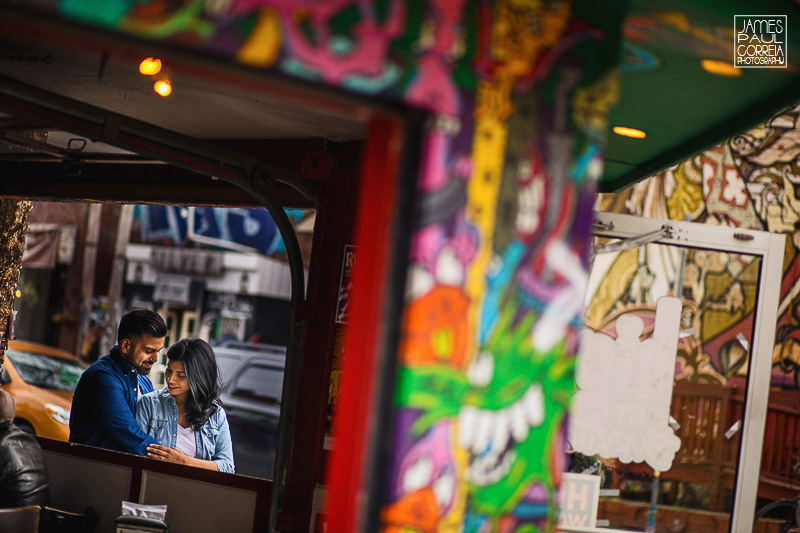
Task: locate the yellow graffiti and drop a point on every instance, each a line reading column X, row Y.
column 453, row 521
column 520, row 33
column 681, row 23
column 482, row 192
column 263, row 43
column 591, row 105
column 611, row 289
column 687, row 198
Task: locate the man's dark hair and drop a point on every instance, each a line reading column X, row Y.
column 141, row 322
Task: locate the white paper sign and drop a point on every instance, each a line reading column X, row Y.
column 578, row 499
column 622, row 408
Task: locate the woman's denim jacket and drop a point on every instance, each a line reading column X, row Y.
column 157, row 415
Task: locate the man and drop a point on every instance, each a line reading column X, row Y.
column 105, row 399
column 23, row 472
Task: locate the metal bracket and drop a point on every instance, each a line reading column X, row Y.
column 666, row 232
column 263, row 177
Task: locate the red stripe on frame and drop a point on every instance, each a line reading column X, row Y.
column 356, row 409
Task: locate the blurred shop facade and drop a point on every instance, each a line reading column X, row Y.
column 215, row 273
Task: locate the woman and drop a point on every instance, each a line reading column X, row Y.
column 186, row 413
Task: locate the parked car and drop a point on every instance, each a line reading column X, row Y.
column 252, row 376
column 42, row 380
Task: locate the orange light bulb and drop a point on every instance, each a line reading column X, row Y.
column 163, row 87
column 721, row 68
column 150, row 66
column 629, row 132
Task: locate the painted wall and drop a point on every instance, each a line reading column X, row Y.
column 518, row 93
column 751, row 181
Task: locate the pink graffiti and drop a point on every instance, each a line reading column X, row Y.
column 425, row 245
column 429, row 243
column 433, row 87
column 434, row 161
column 434, row 450
column 370, row 39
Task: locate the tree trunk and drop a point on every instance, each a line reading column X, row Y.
column 13, row 228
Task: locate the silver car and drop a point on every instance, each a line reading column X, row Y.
column 252, row 376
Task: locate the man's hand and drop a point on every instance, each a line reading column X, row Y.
column 163, row 453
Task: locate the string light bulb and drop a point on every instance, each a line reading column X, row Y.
column 163, row 87
column 150, row 66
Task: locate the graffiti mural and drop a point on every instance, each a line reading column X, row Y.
column 517, row 94
column 750, row 181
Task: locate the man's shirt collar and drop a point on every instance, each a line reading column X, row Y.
column 125, row 366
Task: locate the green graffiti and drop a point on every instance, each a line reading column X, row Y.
column 188, row 18
column 438, row 391
column 516, row 395
column 520, row 374
column 104, row 12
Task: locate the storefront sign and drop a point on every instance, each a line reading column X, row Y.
column 578, row 500
column 345, row 284
column 184, row 261
column 622, row 408
column 172, row 289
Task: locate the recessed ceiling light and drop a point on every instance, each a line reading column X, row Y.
column 720, row 68
column 629, row 132
column 150, row 66
column 163, row 87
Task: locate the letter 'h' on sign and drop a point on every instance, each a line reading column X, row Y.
column 578, row 500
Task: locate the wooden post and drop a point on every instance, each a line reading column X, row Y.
column 114, row 308
column 14, row 216
column 89, row 266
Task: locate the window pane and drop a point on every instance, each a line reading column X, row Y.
column 46, row 371
column 261, row 383
column 696, row 427
column 227, row 364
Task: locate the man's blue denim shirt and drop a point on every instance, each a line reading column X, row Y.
column 104, row 403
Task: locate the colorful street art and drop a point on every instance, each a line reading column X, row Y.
column 750, row 181
column 518, row 93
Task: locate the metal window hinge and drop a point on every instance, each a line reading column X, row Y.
column 666, row 232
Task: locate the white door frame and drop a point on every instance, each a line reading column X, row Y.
column 770, row 248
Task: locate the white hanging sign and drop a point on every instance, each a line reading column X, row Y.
column 625, row 386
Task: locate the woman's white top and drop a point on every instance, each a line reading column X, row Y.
column 186, row 441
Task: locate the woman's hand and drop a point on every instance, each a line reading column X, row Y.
column 170, row 455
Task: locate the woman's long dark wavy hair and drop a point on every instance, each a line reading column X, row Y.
column 200, row 365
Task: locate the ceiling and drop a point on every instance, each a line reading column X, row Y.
column 664, row 91
column 199, row 107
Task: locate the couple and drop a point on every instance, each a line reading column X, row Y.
column 185, row 416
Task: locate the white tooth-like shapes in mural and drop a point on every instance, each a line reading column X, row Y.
column 490, row 436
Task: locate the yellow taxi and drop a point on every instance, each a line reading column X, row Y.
column 42, row 380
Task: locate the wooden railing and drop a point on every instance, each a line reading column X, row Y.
column 197, row 500
column 781, row 449
column 706, row 412
column 701, row 411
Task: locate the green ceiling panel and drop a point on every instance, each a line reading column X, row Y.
column 667, row 94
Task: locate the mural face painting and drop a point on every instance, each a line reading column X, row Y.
column 747, row 182
column 517, row 95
